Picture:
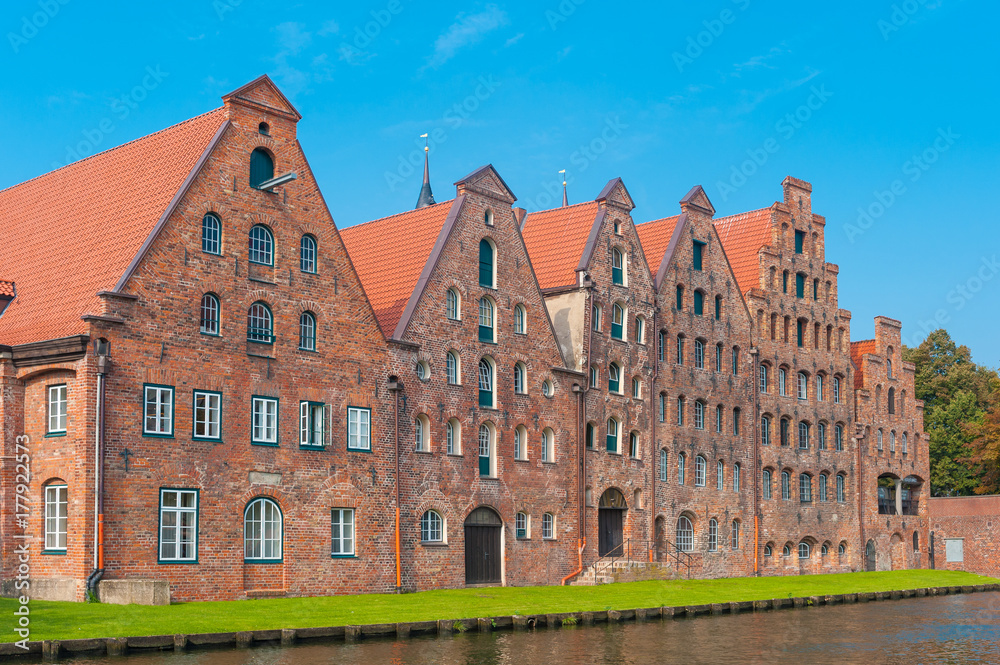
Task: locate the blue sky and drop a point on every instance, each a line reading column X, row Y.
column 888, row 108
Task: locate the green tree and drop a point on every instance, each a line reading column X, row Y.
column 986, row 445
column 956, row 394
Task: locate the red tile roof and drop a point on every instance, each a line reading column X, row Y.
column 389, row 254
column 742, row 237
column 6, row 288
column 655, row 237
column 73, row 232
column 859, row 349
column 556, row 239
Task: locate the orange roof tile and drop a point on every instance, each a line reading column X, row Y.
column 742, row 237
column 654, row 236
column 6, row 288
column 556, row 239
column 859, row 349
column 74, row 231
column 389, row 254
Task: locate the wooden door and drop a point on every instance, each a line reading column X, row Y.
column 610, row 523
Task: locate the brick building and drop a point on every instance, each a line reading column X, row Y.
column 225, row 394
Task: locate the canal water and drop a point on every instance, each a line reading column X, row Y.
column 944, row 629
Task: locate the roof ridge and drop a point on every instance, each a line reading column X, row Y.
column 659, row 219
column 112, row 149
column 398, row 214
column 559, row 208
column 745, row 212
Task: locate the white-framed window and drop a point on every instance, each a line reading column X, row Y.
column 178, row 525
column 521, row 526
column 736, row 477
column 618, row 314
column 359, row 428
column 836, row 389
column 422, row 433
column 262, row 531
column 454, row 437
column 735, row 535
column 612, row 440
column 520, row 443
column 520, row 320
column 840, row 488
column 487, row 448
column 763, row 378
column 640, row 330
column 633, row 444
column 699, row 354
column 720, row 475
column 822, row 488
column 803, row 435
column 878, row 440
column 805, row 488
column 264, row 427
column 636, row 387
column 892, row 441
column 307, row 331
column 614, row 378
column 765, row 431
column 595, row 381
column 766, row 484
column 158, row 411
column 819, row 388
column 596, row 314
column 520, row 379
column 209, row 323
column 663, row 466
column 713, row 535
column 782, row 388
column 718, row 418
column 804, row 550
column 548, row 390
column 453, row 368
column 423, row 370
column 662, row 411
column 548, row 446
column 618, row 263
column 903, row 442
column 838, row 437
column 486, row 396
column 821, row 436
column 431, row 527
column 207, row 415
column 786, row 489
column 453, row 306
column 699, row 415
column 342, row 532
column 57, row 409
column 699, row 471
column 56, row 517
column 486, row 320
column 211, row 234
column 718, row 357
column 803, row 386
column 681, row 468
column 685, row 534
column 548, row 526
column 307, row 254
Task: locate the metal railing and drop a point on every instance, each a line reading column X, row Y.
column 632, row 551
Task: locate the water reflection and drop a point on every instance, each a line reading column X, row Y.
column 949, row 629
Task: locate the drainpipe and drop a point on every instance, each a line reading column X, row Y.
column 581, row 541
column 95, row 576
column 653, row 453
column 755, row 390
column 395, row 386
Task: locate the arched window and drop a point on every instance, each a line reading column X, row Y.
column 680, row 297
column 521, row 526
column 56, row 496
column 822, row 488
column 520, row 443
column 614, row 378
column 904, row 443
column 261, row 245
column 878, row 440
column 596, row 314
column 699, row 471
column 786, row 489
column 591, row 435
column 211, row 234
column 699, row 414
column 488, row 217
column 680, row 349
column 803, row 550
column 548, row 526
column 262, row 531
column 618, row 321
column 486, row 385
column 636, row 387
column 838, row 437
column 736, row 477
column 768, row 550
column 782, row 387
column 663, row 407
column 720, row 475
column 699, row 302
column 892, row 442
column 612, row 442
column 718, row 357
column 718, row 418
column 821, row 436
column 763, row 378
column 840, row 488
column 617, row 267
column 486, row 320
column 663, row 466
column 259, row 324
column 307, row 331
column 681, row 468
column 640, row 330
column 487, row 264
column 784, row 431
column 819, row 387
column 261, row 167
column 453, row 367
column 210, row 314
column 431, row 527
column 520, row 320
column 595, row 379
column 836, row 389
column 736, row 360
column 766, row 483
column 307, row 254
column 713, row 535
column 422, row 433
column 520, row 379
column 685, row 534
column 699, row 354
column 453, row 304
column 548, row 446
column 454, row 436
column 891, row 400
column 803, row 435
column 805, row 488
column 842, row 549
column 718, row 307
column 680, row 411
column 916, row 542
column 765, row 430
column 486, row 450
column 786, row 550
column 735, row 535
column 736, row 421
column 803, row 386
column 888, row 364
column 633, row 444
column 264, row 129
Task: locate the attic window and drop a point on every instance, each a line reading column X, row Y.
column 618, row 228
column 488, row 217
column 264, row 129
column 261, row 167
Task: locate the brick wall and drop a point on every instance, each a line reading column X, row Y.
column 975, row 520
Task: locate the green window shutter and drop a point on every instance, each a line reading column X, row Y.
column 261, row 167
column 485, row 334
column 680, row 298
column 486, row 399
column 699, row 248
column 801, row 332
column 485, row 263
column 815, row 289
column 616, row 276
column 718, row 308
column 800, row 237
column 484, row 462
column 800, row 286
column 699, row 303
column 612, row 445
column 616, row 330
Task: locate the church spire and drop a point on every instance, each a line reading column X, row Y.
column 565, row 200
column 426, row 197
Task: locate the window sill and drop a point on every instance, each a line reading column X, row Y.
column 172, row 562
column 260, row 341
column 423, row 452
column 458, row 455
column 302, row 348
column 433, row 544
column 489, row 478
column 54, row 552
column 52, row 435
column 205, row 439
column 549, row 463
column 263, row 561
column 208, row 334
column 311, row 446
column 343, row 556
column 359, row 450
column 521, row 459
column 266, row 444
column 157, row 436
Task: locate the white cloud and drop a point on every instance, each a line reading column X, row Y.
column 562, row 53
column 292, row 37
column 329, row 28
column 513, row 40
column 465, row 31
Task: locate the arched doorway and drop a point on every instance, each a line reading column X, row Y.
column 870, row 556
column 482, row 546
column 611, row 522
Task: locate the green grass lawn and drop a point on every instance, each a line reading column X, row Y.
column 57, row 620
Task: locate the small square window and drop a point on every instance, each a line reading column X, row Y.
column 359, row 428
column 342, row 532
column 57, row 409
column 158, row 411
column 207, row 415
column 264, row 427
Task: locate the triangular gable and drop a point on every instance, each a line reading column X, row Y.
column 615, row 193
column 263, row 93
column 486, row 181
column 393, row 257
column 698, row 199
